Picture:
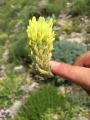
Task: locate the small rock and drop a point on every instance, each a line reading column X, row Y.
column 56, row 117
column 27, row 88
column 56, row 28
column 62, row 89
column 4, row 113
column 64, row 20
column 62, row 37
column 29, row 78
column 14, row 108
column 69, row 4
column 42, row 3
column 78, row 37
column 69, row 89
column 19, row 69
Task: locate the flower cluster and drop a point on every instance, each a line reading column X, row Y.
column 40, row 43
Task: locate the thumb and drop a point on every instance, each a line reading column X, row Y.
column 76, row 74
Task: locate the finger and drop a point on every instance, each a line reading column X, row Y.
column 76, row 74
column 79, row 61
column 83, row 60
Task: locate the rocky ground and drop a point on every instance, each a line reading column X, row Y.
column 66, row 30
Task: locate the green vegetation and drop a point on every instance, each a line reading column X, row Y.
column 71, row 28
column 18, row 10
column 67, row 51
column 10, row 89
column 74, row 27
column 55, row 6
column 45, row 102
column 88, row 7
column 1, row 53
column 13, row 26
column 18, row 52
column 3, row 38
column 80, row 7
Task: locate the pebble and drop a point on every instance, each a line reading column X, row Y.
column 4, row 113
column 27, row 88
column 56, row 117
column 14, row 108
column 19, row 69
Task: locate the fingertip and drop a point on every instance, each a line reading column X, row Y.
column 55, row 66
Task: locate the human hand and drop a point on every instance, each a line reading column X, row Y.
column 78, row 73
column 83, row 60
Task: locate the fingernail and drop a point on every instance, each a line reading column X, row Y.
column 54, row 64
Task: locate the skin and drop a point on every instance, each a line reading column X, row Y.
column 79, row 72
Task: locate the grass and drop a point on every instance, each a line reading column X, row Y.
column 3, row 38
column 80, row 7
column 10, row 89
column 14, row 16
column 45, row 102
column 18, row 52
column 55, row 6
column 14, row 21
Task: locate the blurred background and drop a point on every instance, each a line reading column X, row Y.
column 72, row 28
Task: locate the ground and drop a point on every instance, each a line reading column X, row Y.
column 16, row 79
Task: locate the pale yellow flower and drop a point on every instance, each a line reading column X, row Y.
column 41, row 36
